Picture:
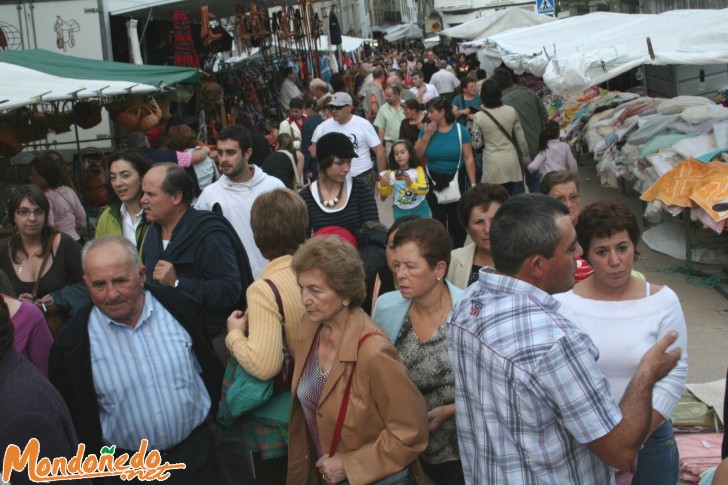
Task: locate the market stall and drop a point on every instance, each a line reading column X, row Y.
column 578, row 52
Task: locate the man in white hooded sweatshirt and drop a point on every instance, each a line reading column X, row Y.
column 234, row 193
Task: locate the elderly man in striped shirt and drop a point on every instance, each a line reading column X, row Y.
column 532, row 407
column 137, row 365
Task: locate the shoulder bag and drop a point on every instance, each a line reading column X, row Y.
column 297, row 185
column 523, row 162
column 284, row 379
column 473, row 129
column 451, row 192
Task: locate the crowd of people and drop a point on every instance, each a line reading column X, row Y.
column 260, row 325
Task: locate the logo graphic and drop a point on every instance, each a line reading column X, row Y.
column 475, row 307
column 142, row 465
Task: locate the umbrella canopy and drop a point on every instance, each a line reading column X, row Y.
column 35, row 76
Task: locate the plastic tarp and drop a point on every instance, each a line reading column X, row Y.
column 578, row 52
column 35, row 76
column 495, row 23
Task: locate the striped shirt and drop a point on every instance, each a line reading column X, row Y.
column 529, row 394
column 360, row 207
column 147, row 379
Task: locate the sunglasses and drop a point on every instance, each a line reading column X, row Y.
column 336, row 108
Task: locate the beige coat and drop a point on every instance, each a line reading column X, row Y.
column 385, row 428
column 461, row 262
column 500, row 158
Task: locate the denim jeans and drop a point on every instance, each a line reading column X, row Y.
column 533, row 182
column 658, row 460
column 402, row 477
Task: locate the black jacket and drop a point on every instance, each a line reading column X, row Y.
column 69, row 366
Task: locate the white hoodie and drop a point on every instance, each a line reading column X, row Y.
column 236, row 199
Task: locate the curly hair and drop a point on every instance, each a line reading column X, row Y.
column 604, row 219
column 339, row 262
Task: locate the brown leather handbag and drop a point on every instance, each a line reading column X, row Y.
column 284, row 379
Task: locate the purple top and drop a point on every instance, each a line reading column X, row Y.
column 32, row 337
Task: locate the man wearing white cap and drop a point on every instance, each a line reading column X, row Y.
column 360, row 132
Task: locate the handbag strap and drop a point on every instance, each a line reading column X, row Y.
column 277, row 294
column 36, row 285
column 500, row 127
column 345, row 400
column 460, row 140
column 293, row 164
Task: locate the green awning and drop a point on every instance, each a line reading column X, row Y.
column 77, row 68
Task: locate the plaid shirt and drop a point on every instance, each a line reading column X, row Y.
column 529, row 394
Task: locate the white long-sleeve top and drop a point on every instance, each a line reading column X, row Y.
column 557, row 156
column 624, row 331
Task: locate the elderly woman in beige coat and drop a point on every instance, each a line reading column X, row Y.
column 475, row 211
column 385, row 422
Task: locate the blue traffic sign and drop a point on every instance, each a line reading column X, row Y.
column 545, row 6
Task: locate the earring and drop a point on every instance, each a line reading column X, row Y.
column 438, row 278
column 346, row 302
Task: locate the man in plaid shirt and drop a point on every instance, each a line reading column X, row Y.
column 532, row 407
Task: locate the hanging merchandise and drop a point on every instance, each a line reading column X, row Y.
column 214, row 36
column 134, row 50
column 334, row 29
column 185, row 54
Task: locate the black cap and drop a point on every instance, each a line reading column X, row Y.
column 337, row 144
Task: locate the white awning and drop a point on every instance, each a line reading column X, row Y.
column 577, row 52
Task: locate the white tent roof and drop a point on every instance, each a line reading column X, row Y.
column 431, row 41
column 495, row 23
column 404, row 31
column 587, row 50
column 22, row 86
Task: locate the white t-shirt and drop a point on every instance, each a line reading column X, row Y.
column 236, row 200
column 361, row 133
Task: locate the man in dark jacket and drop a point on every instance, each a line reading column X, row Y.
column 197, row 252
column 137, row 365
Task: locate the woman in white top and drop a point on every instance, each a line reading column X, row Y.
column 67, row 213
column 625, row 316
column 125, row 214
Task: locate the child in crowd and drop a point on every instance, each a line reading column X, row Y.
column 553, row 154
column 406, row 179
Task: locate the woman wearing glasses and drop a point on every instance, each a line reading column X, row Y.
column 37, row 258
column 446, row 146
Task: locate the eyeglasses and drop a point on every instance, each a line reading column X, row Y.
column 25, row 212
column 573, row 198
column 336, row 108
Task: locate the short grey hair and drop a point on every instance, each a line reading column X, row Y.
column 523, row 226
column 442, row 64
column 128, row 246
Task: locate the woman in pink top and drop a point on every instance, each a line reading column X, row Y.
column 67, row 213
column 32, row 337
column 553, row 154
